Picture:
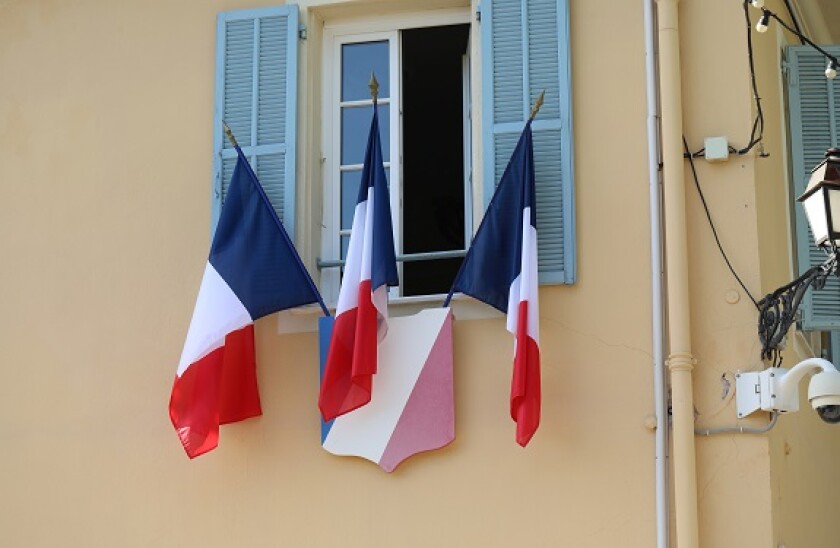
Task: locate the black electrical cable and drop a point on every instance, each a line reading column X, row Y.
column 801, row 36
column 712, row 225
column 757, row 130
column 792, row 15
column 758, row 124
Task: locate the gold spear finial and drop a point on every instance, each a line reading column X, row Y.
column 229, row 134
column 539, row 102
column 374, row 86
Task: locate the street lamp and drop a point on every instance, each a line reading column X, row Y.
column 821, row 200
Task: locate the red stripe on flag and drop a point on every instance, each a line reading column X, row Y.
column 351, row 361
column 218, row 389
column 525, row 388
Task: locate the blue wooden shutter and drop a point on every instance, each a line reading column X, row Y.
column 256, row 94
column 525, row 49
column 814, row 110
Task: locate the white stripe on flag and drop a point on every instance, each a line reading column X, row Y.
column 526, row 286
column 348, row 294
column 367, row 237
column 218, row 311
column 380, row 294
column 358, row 266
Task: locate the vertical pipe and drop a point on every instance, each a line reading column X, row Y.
column 659, row 388
column 680, row 360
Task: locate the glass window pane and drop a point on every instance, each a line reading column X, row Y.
column 349, row 196
column 345, row 243
column 355, row 126
column 357, row 62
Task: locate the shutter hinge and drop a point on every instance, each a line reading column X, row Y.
column 789, row 74
column 478, row 14
column 302, row 32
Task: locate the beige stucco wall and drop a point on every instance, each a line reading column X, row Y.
column 107, row 116
column 803, row 454
column 105, row 169
column 803, row 450
column 732, row 471
column 749, row 199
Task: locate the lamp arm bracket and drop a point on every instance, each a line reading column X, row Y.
column 774, row 389
column 777, row 310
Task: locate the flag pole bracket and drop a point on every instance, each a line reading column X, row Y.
column 537, row 104
column 374, row 87
column 229, row 134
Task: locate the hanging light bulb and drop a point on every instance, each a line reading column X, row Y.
column 764, row 22
column 831, row 70
column 757, row 3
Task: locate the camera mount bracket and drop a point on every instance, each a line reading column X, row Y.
column 774, row 389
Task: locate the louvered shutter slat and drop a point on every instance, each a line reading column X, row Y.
column 527, row 41
column 549, row 200
column 543, row 59
column 814, row 107
column 507, row 69
column 271, row 119
column 257, row 96
column 238, row 80
column 271, row 174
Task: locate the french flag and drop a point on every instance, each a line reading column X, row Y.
column 361, row 320
column 253, row 270
column 500, row 269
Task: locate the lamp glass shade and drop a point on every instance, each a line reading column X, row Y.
column 821, row 200
column 815, row 210
column 833, row 192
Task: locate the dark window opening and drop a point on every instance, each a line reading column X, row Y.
column 433, row 154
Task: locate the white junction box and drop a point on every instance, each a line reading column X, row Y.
column 717, row 149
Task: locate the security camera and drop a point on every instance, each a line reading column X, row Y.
column 824, row 395
column 776, row 389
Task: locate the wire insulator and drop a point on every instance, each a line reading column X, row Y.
column 763, row 23
column 831, row 70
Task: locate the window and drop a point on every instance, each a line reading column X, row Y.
column 442, row 159
column 424, row 123
column 814, row 118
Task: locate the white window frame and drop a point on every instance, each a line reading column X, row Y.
column 368, row 29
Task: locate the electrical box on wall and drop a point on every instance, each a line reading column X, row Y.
column 717, row 149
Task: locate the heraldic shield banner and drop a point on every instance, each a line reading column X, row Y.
column 413, row 404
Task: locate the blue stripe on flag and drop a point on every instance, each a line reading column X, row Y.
column 383, row 259
column 252, row 255
column 495, row 256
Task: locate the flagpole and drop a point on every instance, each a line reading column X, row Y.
column 259, row 188
column 534, row 110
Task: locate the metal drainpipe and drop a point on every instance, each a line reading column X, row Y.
column 659, row 388
column 680, row 360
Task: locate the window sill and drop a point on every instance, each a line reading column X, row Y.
column 304, row 319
